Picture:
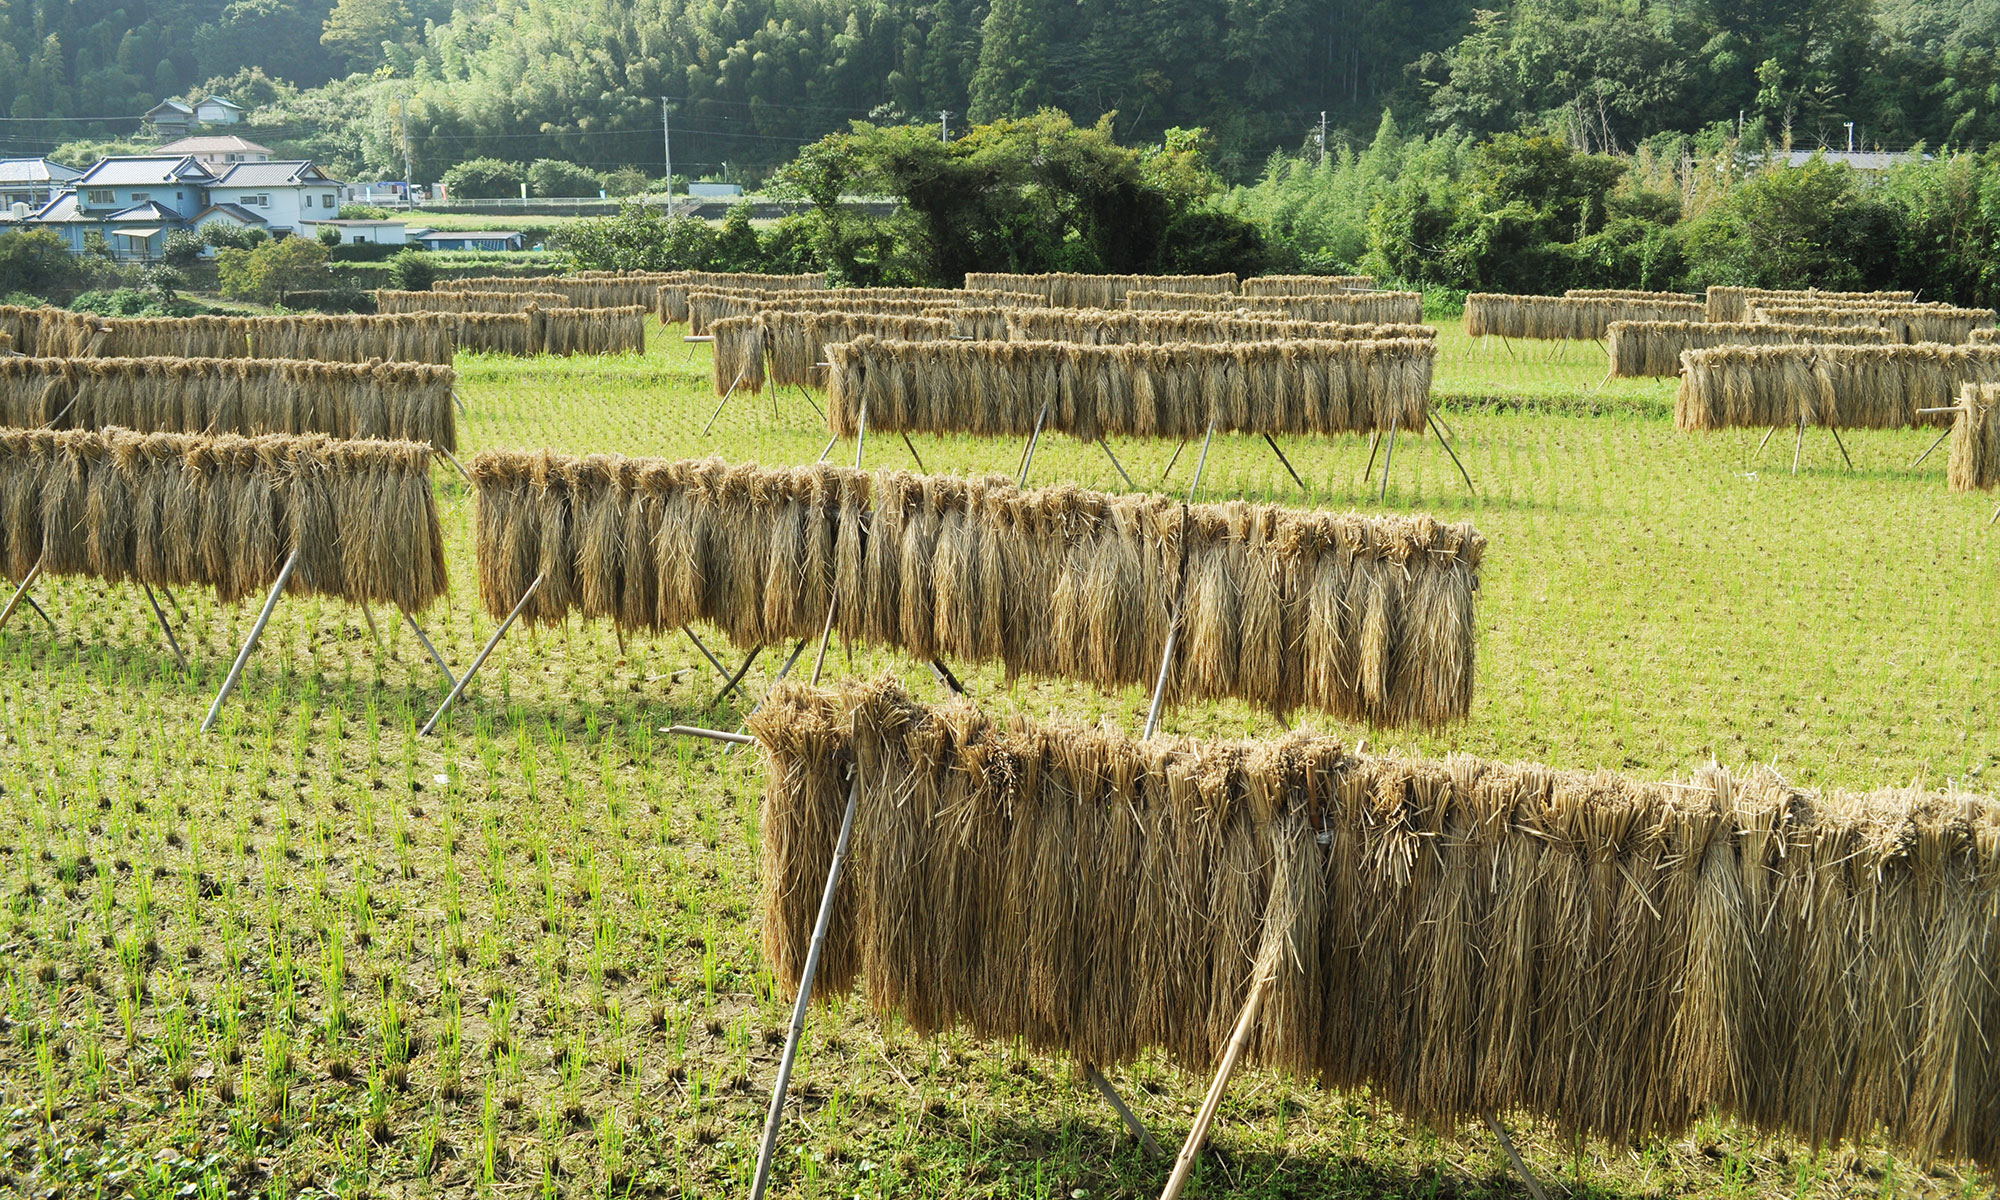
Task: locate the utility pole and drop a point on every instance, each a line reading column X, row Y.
column 944, row 126
column 403, row 119
column 1322, row 137
column 667, row 137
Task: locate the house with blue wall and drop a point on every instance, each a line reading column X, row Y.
column 133, row 201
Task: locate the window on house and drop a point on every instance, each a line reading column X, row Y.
column 359, row 238
column 98, row 197
column 141, row 197
column 308, row 202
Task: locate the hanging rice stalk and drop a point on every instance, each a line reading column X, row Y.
column 1908, row 323
column 1653, row 348
column 1975, row 440
column 798, row 340
column 1065, row 290
column 1984, row 337
column 1570, row 318
column 1105, row 327
column 1000, row 389
column 570, row 331
column 673, row 295
column 1305, row 285
column 224, row 512
column 382, row 401
column 1846, row 387
column 1355, row 308
column 1369, row 618
column 588, row 289
column 516, row 333
column 739, row 354
column 388, row 301
column 1625, row 959
column 1734, row 303
column 1629, row 294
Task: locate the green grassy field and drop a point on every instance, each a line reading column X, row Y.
column 314, row 954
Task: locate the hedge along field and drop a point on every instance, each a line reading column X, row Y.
column 313, row 951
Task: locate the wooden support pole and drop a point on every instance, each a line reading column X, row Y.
column 825, row 637
column 714, row 735
column 860, row 435
column 1799, row 446
column 451, row 458
column 250, row 643
column 1174, row 460
column 1201, row 464
column 1513, row 1155
column 768, row 1147
column 734, row 680
column 913, row 454
column 458, row 688
column 713, row 661
column 379, row 647
column 1843, row 445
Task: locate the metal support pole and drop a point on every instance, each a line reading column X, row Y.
column 1028, row 453
column 426, row 643
column 860, row 435
column 250, row 643
column 458, row 688
column 767, row 1149
column 713, row 661
column 1389, row 458
column 1115, row 463
column 1198, row 1135
column 719, row 403
column 1269, row 441
column 14, row 601
column 1110, row 1094
column 913, row 454
column 1453, row 453
column 173, row 643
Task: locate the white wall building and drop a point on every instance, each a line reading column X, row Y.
column 287, row 195
column 357, row 232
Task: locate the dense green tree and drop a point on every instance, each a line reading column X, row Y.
column 553, row 177
column 483, row 179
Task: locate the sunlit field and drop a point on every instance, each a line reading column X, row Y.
column 313, row 953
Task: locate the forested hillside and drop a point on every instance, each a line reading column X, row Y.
column 752, row 80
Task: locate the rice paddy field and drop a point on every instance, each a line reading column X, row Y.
column 315, row 954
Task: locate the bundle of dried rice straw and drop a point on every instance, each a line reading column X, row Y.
column 224, row 512
column 1369, row 618
column 1625, row 958
column 1846, row 387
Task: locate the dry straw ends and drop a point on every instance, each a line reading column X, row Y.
column 999, row 389
column 1911, row 323
column 1975, row 440
column 1066, row 290
column 1368, row 618
column 1108, row 327
column 1624, row 958
column 1846, row 387
column 1356, row 308
column 1304, row 285
column 1654, row 348
column 1573, row 318
column 224, row 513
column 1734, row 303
column 393, row 401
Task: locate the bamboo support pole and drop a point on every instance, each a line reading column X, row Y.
column 250, row 643
column 14, row 601
column 426, row 643
column 1131, row 1119
column 767, row 1148
column 1388, row 459
column 1120, row 467
column 1198, row 1134
column 713, row 661
column 1454, row 456
column 173, row 643
column 1272, row 443
column 458, row 688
